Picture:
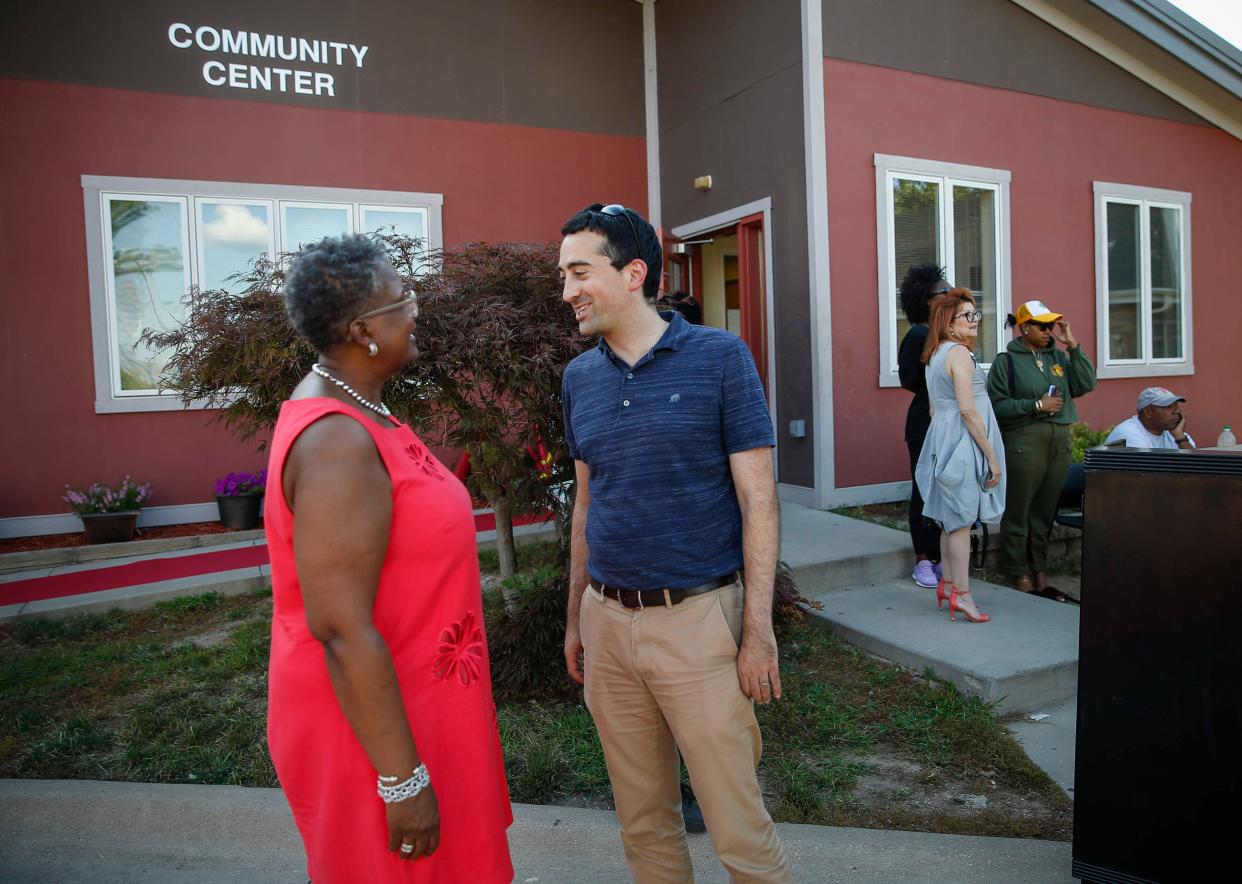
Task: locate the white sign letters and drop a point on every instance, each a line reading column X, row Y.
column 236, row 75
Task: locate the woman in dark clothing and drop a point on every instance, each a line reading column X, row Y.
column 1033, row 386
column 922, row 283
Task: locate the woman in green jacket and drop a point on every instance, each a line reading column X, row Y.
column 1033, row 385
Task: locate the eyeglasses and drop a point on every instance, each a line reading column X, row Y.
column 615, row 209
column 407, row 301
column 970, row 315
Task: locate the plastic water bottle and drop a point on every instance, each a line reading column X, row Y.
column 1226, row 439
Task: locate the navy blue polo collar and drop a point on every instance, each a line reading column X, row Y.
column 677, row 333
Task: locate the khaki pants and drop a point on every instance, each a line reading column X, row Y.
column 662, row 678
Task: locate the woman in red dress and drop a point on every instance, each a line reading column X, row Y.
column 379, row 678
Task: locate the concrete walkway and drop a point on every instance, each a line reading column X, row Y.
column 57, row 830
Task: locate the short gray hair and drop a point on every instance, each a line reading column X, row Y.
column 328, row 284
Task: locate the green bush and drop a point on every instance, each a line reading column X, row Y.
column 1083, row 437
column 526, row 638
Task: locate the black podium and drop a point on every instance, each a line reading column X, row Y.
column 1158, row 772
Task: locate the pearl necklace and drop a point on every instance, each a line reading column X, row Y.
column 380, row 409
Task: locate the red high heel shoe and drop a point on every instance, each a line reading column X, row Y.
column 941, row 595
column 954, row 606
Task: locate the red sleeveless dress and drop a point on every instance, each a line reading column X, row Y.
column 429, row 611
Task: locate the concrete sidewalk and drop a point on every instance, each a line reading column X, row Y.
column 58, row 830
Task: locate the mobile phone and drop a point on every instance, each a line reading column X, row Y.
column 1054, row 390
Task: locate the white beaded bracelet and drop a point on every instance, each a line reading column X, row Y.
column 418, row 781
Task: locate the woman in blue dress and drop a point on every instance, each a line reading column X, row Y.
column 961, row 469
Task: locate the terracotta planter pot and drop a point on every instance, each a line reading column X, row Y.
column 110, row 527
column 241, row 512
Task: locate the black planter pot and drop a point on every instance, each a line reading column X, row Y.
column 110, row 527
column 240, row 512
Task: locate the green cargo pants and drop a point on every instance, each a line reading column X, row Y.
column 1037, row 457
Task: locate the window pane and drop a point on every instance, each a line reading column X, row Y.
column 232, row 237
column 1125, row 331
column 916, row 233
column 974, row 258
column 150, row 277
column 405, row 222
column 308, row 224
column 1166, row 283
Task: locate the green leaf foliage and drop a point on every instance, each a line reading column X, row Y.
column 526, row 638
column 1083, row 437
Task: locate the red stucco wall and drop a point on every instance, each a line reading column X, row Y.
column 500, row 182
column 1055, row 150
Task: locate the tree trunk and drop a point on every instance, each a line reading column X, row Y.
column 503, row 510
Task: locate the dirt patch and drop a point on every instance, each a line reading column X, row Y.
column 982, row 804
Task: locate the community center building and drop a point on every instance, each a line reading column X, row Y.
column 796, row 155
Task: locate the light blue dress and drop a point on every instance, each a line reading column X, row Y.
column 951, row 468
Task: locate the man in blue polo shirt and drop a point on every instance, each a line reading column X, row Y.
column 671, row 439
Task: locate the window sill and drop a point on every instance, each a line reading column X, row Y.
column 1156, row 370
column 143, row 404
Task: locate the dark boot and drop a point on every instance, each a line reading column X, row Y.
column 691, row 812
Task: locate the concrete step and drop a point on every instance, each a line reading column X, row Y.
column 34, row 560
column 61, row 562
column 1025, row 658
column 828, row 552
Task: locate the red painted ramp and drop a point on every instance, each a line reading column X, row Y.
column 134, row 574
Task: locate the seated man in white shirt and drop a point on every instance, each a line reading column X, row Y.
column 1158, row 424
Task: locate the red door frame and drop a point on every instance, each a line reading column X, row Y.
column 752, row 284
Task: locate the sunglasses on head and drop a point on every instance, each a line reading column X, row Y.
column 615, row 209
column 407, row 301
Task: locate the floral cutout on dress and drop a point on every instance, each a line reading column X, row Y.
column 460, row 650
column 424, row 461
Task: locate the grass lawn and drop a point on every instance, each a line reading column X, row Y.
column 177, row 693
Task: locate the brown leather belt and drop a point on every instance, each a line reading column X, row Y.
column 655, row 598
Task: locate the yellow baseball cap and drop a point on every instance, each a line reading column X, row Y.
column 1036, row 311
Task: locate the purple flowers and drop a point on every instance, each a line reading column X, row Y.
column 238, row 484
column 103, row 499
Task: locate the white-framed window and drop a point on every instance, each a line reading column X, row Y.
column 149, row 240
column 1142, row 277
column 949, row 214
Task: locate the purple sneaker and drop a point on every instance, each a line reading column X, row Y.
column 939, row 574
column 924, row 575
